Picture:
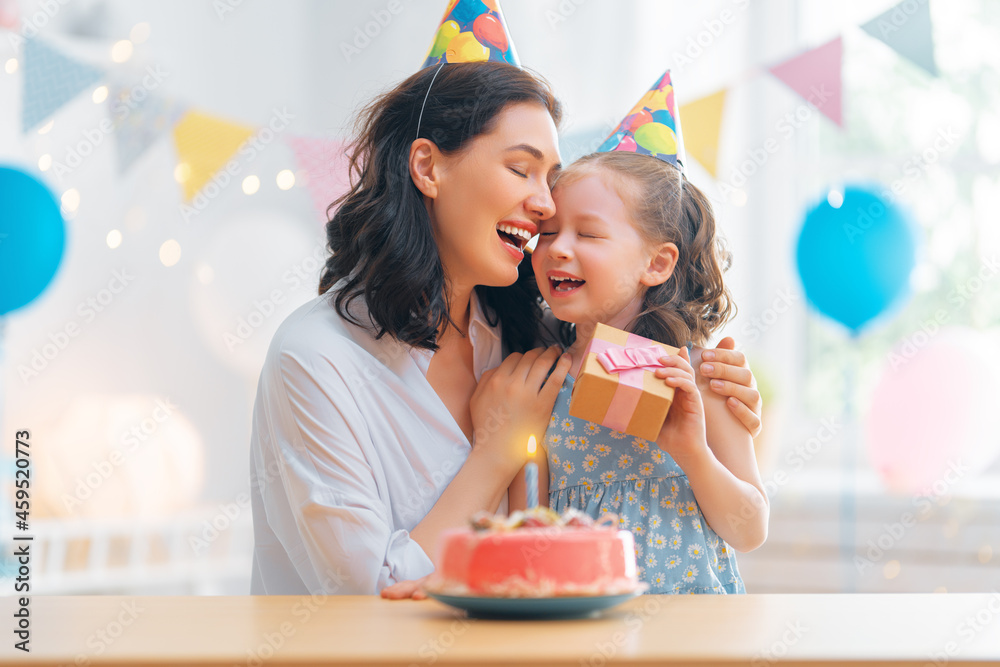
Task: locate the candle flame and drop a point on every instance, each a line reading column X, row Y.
column 531, row 446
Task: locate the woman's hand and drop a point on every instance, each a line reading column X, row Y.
column 727, row 373
column 515, row 400
column 412, row 589
column 683, row 433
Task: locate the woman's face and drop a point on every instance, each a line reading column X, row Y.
column 492, row 196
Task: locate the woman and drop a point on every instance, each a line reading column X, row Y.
column 384, row 414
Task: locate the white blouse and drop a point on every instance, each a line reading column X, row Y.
column 351, row 447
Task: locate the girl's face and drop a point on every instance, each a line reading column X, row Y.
column 491, row 197
column 591, row 264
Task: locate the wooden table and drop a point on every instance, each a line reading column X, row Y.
column 362, row 630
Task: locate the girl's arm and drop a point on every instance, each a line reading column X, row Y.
column 722, row 472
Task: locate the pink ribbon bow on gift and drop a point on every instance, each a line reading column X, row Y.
column 616, row 360
column 630, row 363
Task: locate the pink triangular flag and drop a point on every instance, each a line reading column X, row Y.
column 815, row 75
column 325, row 164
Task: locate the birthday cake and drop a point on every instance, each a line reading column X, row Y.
column 537, row 553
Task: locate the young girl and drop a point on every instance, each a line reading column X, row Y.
column 632, row 245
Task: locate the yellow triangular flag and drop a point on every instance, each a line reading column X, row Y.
column 702, row 122
column 204, row 144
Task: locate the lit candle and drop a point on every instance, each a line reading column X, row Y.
column 531, row 476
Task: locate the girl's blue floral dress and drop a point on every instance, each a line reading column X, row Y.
column 596, row 470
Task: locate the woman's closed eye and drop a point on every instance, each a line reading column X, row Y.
column 522, row 174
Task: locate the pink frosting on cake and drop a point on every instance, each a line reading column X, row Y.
column 537, row 562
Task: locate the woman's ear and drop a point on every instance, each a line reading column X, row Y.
column 425, row 159
column 661, row 265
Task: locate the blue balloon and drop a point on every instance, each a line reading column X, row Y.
column 855, row 261
column 32, row 238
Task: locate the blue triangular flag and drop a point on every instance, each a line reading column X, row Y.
column 51, row 79
column 140, row 119
column 906, row 28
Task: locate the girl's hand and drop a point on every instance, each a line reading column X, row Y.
column 412, row 589
column 683, row 432
column 515, row 400
column 726, row 372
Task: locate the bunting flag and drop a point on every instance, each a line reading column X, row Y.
column 204, row 145
column 140, row 119
column 702, row 126
column 815, row 75
column 50, row 80
column 325, row 165
column 906, row 29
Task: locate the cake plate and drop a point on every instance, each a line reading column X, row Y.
column 534, row 608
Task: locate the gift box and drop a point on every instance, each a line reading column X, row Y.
column 616, row 386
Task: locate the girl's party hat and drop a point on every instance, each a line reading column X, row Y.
column 471, row 31
column 652, row 127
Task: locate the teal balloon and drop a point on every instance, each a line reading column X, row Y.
column 32, row 238
column 855, row 261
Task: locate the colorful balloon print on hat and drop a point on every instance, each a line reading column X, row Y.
column 652, row 127
column 472, row 31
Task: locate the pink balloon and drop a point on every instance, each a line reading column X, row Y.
column 935, row 414
column 488, row 30
column 626, row 144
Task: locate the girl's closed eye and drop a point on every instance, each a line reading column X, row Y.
column 522, row 174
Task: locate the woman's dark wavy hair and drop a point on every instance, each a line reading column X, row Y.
column 666, row 208
column 380, row 233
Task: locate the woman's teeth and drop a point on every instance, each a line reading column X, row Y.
column 515, row 237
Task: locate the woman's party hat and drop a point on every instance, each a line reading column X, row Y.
column 652, row 127
column 471, row 31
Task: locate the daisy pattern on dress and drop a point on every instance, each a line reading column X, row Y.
column 673, row 562
column 553, row 419
column 631, row 498
column 690, row 573
column 592, row 428
column 640, row 484
column 567, row 425
column 675, row 523
column 643, row 510
column 587, row 483
column 608, row 476
column 555, row 459
column 563, row 481
column 589, row 462
column 659, row 456
column 569, row 467
column 617, row 500
column 624, row 461
column 696, row 524
column 555, row 439
column 654, row 489
column 692, row 508
column 659, row 579
column 675, row 542
column 646, row 469
column 651, row 560
column 640, row 445
column 617, row 435
column 655, row 521
column 601, row 449
column 658, row 541
column 623, row 522
column 583, row 443
column 572, row 442
column 667, row 503
column 695, row 551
